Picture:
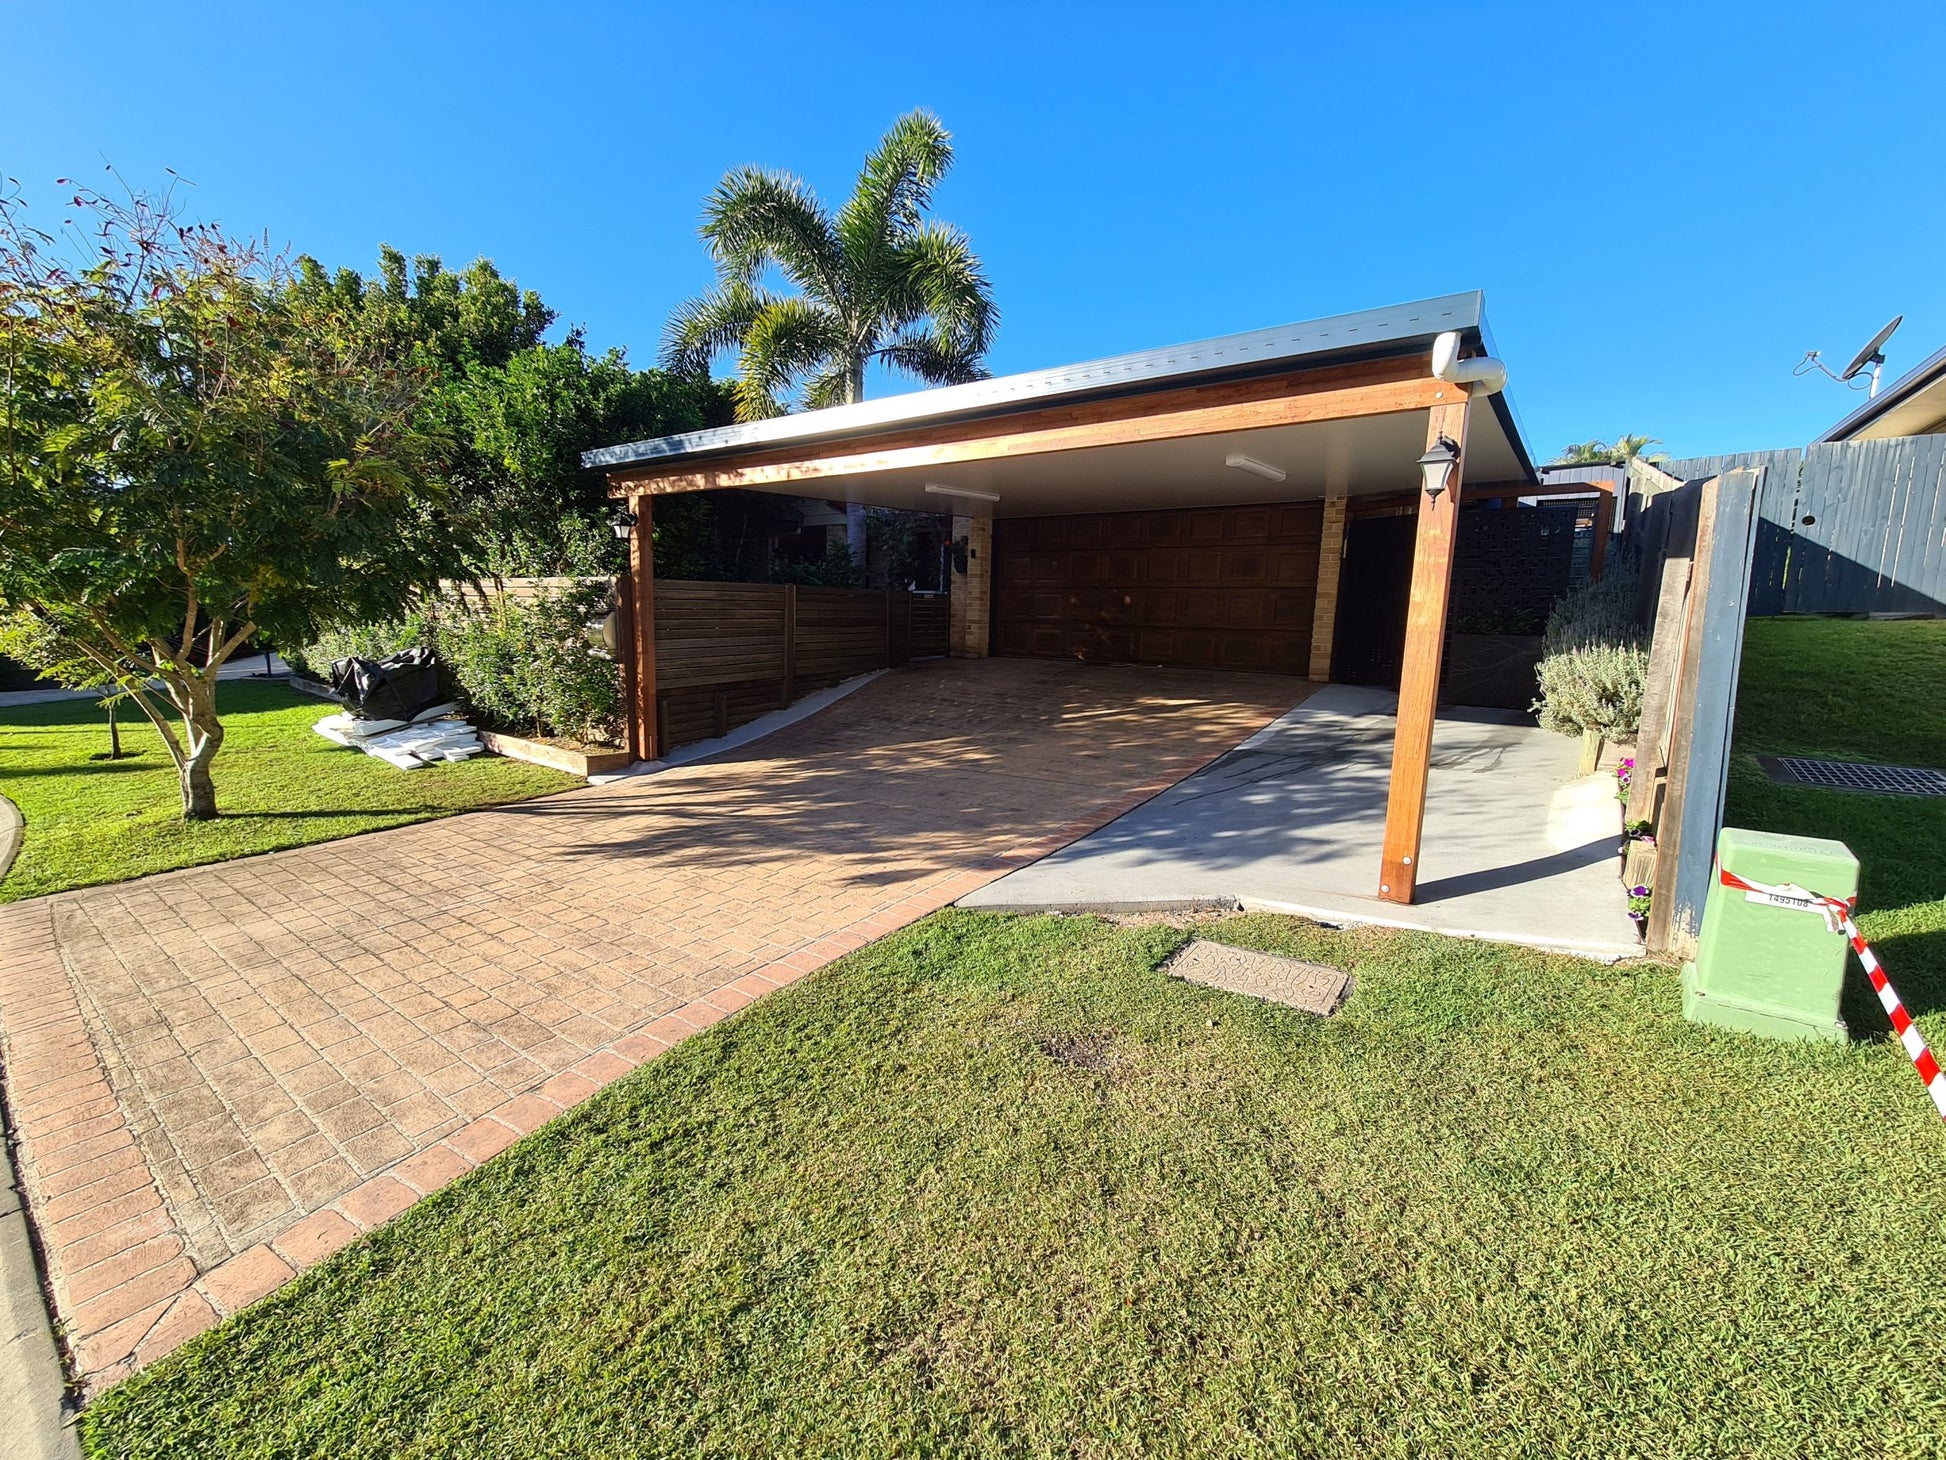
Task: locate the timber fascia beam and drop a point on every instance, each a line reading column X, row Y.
column 1297, row 402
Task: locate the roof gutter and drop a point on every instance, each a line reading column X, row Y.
column 1925, row 373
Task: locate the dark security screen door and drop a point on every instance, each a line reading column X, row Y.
column 1374, row 590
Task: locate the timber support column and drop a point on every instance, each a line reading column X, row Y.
column 1331, row 562
column 644, row 732
column 1425, row 641
column 970, row 605
column 1604, row 526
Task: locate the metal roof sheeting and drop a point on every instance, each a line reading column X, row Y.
column 1371, row 333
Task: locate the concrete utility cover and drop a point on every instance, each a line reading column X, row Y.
column 1308, row 986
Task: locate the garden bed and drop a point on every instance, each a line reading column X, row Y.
column 577, row 760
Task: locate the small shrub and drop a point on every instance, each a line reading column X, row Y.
column 533, row 668
column 1594, row 663
column 1598, row 687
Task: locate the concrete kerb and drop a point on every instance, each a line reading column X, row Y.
column 744, row 734
column 1322, row 913
column 35, row 1415
column 1334, row 916
column 13, row 827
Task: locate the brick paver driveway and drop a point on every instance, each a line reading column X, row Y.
column 221, row 1075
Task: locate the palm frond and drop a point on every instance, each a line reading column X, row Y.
column 829, row 387
column 933, row 358
column 894, row 187
column 755, row 219
column 936, row 275
column 787, row 340
column 704, row 327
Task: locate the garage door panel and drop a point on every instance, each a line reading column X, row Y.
column 1296, row 566
column 1160, row 529
column 1290, row 609
column 1246, row 565
column 1218, row 587
column 1161, row 608
column 1300, row 523
column 1247, row 524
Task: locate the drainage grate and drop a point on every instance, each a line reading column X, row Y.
column 1846, row 775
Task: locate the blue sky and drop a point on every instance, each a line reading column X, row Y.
column 1666, row 206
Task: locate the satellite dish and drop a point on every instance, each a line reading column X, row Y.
column 1872, row 354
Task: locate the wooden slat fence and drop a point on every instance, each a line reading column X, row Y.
column 727, row 653
column 1846, row 526
column 1870, row 529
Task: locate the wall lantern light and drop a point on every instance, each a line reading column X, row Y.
column 624, row 524
column 1438, row 464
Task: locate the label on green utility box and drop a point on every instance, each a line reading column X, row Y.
column 1789, row 896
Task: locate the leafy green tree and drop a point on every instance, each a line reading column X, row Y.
column 518, row 430
column 511, row 414
column 194, row 452
column 1603, row 453
column 876, row 281
column 453, row 320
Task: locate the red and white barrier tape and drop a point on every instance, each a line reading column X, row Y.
column 1837, row 916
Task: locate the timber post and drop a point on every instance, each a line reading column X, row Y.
column 1604, row 526
column 646, row 730
column 1425, row 640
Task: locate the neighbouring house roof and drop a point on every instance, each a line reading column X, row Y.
column 1912, row 405
column 1401, row 330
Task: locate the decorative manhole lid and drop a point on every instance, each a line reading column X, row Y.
column 1848, row 775
column 1312, row 987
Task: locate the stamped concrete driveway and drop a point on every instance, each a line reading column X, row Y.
column 222, row 1075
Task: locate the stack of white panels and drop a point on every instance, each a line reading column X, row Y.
column 432, row 735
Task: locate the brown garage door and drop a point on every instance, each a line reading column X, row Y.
column 1207, row 588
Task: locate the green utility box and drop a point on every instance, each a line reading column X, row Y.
column 1763, row 965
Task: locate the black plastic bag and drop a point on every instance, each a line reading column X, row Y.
column 396, row 688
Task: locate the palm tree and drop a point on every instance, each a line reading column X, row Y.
column 876, row 281
column 1601, row 453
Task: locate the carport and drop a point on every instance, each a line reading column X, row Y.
column 1183, row 507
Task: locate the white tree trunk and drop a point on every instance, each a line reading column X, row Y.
column 203, row 737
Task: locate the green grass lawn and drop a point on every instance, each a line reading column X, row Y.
column 92, row 820
column 999, row 1186
column 1853, row 689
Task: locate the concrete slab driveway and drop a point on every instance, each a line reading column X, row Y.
column 222, row 1075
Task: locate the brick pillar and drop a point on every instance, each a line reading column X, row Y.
column 971, row 600
column 1331, row 558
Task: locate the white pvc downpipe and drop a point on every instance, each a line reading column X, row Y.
column 1483, row 372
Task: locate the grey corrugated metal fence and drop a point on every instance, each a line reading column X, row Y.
column 1846, row 526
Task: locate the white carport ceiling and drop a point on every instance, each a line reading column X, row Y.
column 1363, row 456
